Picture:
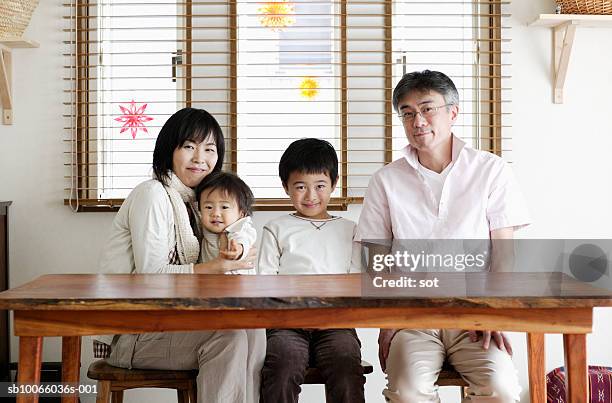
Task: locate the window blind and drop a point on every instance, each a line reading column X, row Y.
column 270, row 72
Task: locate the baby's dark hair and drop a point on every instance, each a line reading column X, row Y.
column 309, row 156
column 231, row 185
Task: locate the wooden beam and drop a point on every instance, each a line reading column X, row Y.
column 71, row 364
column 389, row 113
column 576, row 380
column 82, row 323
column 233, row 85
column 563, row 40
column 344, row 99
column 30, row 357
column 536, row 360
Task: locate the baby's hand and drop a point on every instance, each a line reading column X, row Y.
column 233, row 252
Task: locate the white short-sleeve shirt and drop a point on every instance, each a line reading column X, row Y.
column 479, row 195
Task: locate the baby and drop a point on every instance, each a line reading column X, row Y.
column 225, row 208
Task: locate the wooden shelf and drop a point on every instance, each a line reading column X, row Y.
column 20, row 43
column 584, row 20
column 564, row 30
column 6, row 98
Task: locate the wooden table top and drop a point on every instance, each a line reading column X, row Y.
column 197, row 292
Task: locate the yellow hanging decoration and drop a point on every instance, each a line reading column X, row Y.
column 277, row 15
column 309, row 88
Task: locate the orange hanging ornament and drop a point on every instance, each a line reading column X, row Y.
column 277, row 14
column 309, row 88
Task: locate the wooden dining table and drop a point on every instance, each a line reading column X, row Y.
column 76, row 305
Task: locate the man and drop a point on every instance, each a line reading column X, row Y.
column 441, row 189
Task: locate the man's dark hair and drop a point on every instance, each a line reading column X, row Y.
column 425, row 81
column 309, row 156
column 232, row 186
column 187, row 124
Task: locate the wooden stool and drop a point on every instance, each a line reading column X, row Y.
column 112, row 381
column 449, row 377
column 314, row 377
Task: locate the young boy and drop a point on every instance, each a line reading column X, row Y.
column 225, row 209
column 310, row 241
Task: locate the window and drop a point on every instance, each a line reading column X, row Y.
column 270, row 72
column 128, row 101
column 287, row 86
column 462, row 39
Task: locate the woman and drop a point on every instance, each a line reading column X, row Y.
column 157, row 231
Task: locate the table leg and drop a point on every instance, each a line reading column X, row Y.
column 576, row 381
column 30, row 356
column 537, row 369
column 71, row 364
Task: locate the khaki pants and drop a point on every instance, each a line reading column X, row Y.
column 416, row 356
column 229, row 362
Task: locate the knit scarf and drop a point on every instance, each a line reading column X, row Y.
column 181, row 196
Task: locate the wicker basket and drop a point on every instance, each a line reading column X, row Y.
column 585, row 6
column 14, row 17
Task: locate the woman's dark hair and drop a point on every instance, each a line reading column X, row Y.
column 232, row 186
column 188, row 124
column 309, row 156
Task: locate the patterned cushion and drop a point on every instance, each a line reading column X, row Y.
column 600, row 385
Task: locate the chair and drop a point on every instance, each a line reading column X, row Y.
column 449, row 377
column 314, row 377
column 112, row 381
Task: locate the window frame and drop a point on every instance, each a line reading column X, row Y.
column 81, row 172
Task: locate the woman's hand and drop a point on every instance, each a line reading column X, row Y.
column 220, row 265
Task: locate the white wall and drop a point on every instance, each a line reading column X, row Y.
column 561, row 155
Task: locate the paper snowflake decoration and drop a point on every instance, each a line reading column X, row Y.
column 133, row 118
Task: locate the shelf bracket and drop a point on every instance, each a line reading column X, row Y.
column 5, row 86
column 563, row 40
column 6, row 94
column 563, row 32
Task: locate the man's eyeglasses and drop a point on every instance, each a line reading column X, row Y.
column 426, row 112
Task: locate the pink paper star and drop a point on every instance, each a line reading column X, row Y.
column 133, row 118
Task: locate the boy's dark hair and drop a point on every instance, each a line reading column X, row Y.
column 309, row 156
column 187, row 124
column 231, row 185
